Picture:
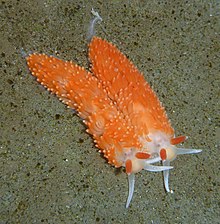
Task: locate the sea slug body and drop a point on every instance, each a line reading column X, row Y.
column 123, row 114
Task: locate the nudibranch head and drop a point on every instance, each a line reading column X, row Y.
column 157, row 146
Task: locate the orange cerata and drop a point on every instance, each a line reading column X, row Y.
column 123, row 114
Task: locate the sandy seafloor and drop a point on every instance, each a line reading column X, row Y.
column 50, row 170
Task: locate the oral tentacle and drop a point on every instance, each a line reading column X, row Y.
column 131, row 181
column 153, row 160
column 153, row 168
column 166, row 176
column 184, row 151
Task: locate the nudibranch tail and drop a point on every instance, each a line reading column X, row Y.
column 96, row 19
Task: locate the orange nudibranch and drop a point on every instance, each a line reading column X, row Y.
column 123, row 114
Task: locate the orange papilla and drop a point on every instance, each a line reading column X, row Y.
column 163, row 154
column 177, row 140
column 148, row 139
column 142, row 155
column 128, row 166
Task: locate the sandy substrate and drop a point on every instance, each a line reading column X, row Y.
column 50, row 169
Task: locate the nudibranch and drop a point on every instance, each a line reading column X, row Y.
column 123, row 114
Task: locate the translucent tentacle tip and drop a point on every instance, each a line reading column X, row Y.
column 91, row 30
